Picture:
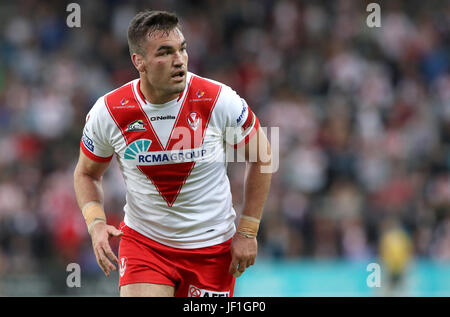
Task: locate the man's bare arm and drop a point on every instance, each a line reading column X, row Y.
column 88, row 176
column 257, row 179
column 244, row 246
column 88, row 180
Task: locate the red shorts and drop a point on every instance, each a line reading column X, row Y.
column 193, row 272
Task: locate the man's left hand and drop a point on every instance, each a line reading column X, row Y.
column 243, row 254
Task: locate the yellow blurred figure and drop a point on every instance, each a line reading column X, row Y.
column 396, row 251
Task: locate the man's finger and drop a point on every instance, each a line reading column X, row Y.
column 110, row 254
column 239, row 269
column 104, row 262
column 233, row 266
column 114, row 231
column 99, row 260
column 242, row 266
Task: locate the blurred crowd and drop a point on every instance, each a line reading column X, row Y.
column 363, row 116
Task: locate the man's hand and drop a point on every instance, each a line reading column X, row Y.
column 243, row 254
column 100, row 234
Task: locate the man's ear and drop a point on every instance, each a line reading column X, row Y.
column 138, row 62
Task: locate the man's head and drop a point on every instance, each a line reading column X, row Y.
column 158, row 51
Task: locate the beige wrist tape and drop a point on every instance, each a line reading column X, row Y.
column 248, row 226
column 93, row 213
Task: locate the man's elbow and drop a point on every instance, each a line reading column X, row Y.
column 269, row 160
column 80, row 173
column 263, row 161
column 76, row 173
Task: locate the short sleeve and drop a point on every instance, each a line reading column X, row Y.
column 95, row 143
column 241, row 123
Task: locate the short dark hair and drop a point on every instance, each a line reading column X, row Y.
column 146, row 22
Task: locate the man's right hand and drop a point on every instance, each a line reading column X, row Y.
column 100, row 234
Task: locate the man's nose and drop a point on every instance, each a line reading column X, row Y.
column 178, row 59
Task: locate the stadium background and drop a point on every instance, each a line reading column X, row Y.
column 364, row 118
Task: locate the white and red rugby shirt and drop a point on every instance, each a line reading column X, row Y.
column 172, row 158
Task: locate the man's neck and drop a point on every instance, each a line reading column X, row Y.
column 154, row 96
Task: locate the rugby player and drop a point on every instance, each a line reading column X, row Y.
column 178, row 236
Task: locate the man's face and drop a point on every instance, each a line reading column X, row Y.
column 165, row 62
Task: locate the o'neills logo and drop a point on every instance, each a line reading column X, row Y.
column 156, row 118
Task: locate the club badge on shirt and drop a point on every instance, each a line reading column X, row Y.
column 193, row 120
column 137, row 125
